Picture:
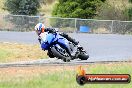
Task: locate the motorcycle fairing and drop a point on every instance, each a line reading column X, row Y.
column 48, row 38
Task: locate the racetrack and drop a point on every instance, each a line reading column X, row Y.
column 101, row 47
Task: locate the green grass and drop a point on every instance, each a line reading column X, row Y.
column 66, row 78
column 4, row 54
column 10, row 52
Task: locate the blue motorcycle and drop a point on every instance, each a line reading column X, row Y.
column 59, row 47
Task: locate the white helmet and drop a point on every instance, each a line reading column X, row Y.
column 39, row 28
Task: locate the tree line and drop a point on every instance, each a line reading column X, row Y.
column 69, row 8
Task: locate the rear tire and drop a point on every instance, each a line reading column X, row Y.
column 83, row 56
column 66, row 59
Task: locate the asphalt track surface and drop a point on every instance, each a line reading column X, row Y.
column 100, row 47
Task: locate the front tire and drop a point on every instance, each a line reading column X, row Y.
column 50, row 54
column 64, row 56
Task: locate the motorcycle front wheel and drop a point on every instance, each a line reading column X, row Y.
column 61, row 54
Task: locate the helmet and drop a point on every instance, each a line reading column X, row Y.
column 39, row 28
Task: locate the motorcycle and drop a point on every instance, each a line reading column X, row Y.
column 59, row 47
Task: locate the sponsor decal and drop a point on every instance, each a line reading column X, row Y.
column 83, row 78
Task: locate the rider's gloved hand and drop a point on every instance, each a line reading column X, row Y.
column 50, row 30
column 39, row 39
column 53, row 30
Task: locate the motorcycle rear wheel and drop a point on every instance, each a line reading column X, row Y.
column 83, row 56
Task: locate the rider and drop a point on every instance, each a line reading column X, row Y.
column 40, row 28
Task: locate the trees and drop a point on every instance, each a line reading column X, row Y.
column 77, row 8
column 22, row 7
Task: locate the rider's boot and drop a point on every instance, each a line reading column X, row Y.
column 79, row 47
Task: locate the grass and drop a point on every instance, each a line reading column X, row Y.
column 4, row 54
column 10, row 52
column 59, row 76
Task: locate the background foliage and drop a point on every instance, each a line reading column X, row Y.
column 77, row 8
column 22, row 7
